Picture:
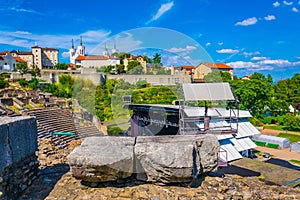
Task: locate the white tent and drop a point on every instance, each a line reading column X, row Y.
column 282, row 142
column 295, row 147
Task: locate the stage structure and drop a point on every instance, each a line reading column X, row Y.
column 197, row 113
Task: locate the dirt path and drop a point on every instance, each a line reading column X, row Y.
column 276, row 132
column 283, row 154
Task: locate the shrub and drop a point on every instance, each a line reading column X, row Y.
column 3, row 83
column 255, row 121
column 23, row 83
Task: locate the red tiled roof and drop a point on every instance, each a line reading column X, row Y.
column 36, row 46
column 3, row 53
column 92, row 58
column 80, row 58
column 217, row 65
column 187, row 67
column 19, row 59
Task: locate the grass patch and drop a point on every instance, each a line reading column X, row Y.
column 297, row 162
column 278, row 128
column 293, row 138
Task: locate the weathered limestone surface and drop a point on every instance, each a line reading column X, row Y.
column 18, row 162
column 175, row 159
column 157, row 159
column 18, row 139
column 101, row 159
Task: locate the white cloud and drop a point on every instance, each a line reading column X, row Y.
column 294, row 9
column 220, row 43
column 228, row 51
column 65, row 54
column 247, row 54
column 208, row 44
column 21, row 10
column 162, row 10
column 270, row 17
column 276, row 4
column 178, row 50
column 247, row 22
column 267, row 64
column 27, row 40
column 259, row 58
column 288, row 3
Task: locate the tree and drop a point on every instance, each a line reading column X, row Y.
column 156, row 59
column 61, row 66
column 254, row 94
column 123, row 55
column 141, row 84
column 3, row 83
column 120, row 68
column 35, row 71
column 134, row 67
column 217, row 76
column 147, row 59
column 22, row 68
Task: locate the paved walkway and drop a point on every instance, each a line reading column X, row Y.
column 283, row 154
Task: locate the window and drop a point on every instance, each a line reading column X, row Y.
column 176, row 80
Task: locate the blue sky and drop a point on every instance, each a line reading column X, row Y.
column 249, row 35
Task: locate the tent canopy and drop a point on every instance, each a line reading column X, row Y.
column 282, row 142
column 207, row 91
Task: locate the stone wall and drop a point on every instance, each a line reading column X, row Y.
column 18, row 162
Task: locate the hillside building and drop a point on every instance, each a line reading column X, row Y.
column 44, row 58
column 205, row 68
column 79, row 57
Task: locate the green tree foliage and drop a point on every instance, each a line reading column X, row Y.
column 291, row 122
column 3, row 83
column 141, row 84
column 134, row 67
column 254, row 94
column 123, row 55
column 35, row 71
column 157, row 59
column 22, row 68
column 217, row 76
column 120, row 68
column 61, row 66
column 84, row 91
column 288, row 90
column 147, row 59
column 65, row 85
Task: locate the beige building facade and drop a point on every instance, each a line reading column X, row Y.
column 205, row 68
column 44, row 58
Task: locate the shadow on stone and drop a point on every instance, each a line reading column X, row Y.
column 45, row 182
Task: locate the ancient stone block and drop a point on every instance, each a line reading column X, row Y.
column 101, row 159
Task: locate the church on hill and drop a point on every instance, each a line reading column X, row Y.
column 79, row 57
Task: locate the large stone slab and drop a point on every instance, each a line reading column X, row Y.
column 18, row 139
column 156, row 159
column 175, row 159
column 102, row 159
